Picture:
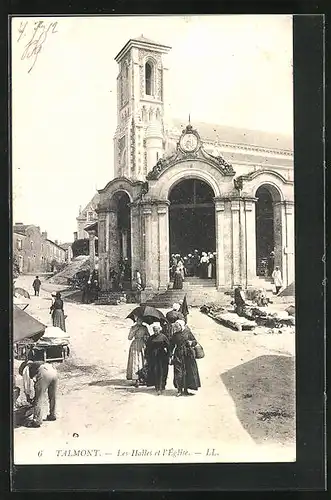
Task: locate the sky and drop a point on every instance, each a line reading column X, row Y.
column 229, row 70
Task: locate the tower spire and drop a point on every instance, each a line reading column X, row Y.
column 189, row 118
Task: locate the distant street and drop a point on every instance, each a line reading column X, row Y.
column 244, row 409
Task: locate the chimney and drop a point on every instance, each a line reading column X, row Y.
column 75, row 236
column 56, row 242
column 44, row 235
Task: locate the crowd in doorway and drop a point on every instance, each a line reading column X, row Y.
column 201, row 264
column 172, row 343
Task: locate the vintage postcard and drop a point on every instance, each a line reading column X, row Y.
column 153, row 239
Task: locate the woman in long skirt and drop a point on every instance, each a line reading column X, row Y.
column 204, row 266
column 136, row 360
column 178, row 279
column 58, row 312
column 157, row 356
column 186, row 373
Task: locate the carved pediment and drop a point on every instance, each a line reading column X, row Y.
column 190, row 147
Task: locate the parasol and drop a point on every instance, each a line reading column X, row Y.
column 22, row 304
column 25, row 326
column 148, row 313
column 21, row 291
column 184, row 308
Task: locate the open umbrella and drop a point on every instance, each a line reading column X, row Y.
column 21, row 291
column 25, row 326
column 22, row 304
column 147, row 313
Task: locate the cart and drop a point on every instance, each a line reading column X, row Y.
column 53, row 346
column 50, row 352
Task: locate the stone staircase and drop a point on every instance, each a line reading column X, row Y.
column 198, row 292
column 264, row 282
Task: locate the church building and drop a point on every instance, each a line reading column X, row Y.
column 177, row 189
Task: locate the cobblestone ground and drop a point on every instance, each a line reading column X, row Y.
column 244, row 411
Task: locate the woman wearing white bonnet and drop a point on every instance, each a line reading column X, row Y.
column 174, row 314
column 186, row 373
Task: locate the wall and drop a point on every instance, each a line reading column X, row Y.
column 35, row 252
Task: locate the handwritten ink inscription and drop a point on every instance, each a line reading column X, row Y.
column 36, row 37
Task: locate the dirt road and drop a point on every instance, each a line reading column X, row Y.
column 244, row 410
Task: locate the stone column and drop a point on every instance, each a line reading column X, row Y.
column 235, row 209
column 280, row 238
column 163, row 244
column 103, row 250
column 148, row 246
column 136, row 240
column 113, row 239
column 242, row 244
column 250, row 240
column 91, row 235
column 219, row 226
column 289, row 243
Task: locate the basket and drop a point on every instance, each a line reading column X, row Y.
column 199, row 353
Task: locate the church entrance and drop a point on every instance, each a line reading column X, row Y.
column 265, row 239
column 192, row 219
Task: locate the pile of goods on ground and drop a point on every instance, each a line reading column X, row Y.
column 253, row 316
column 227, row 318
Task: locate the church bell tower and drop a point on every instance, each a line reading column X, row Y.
column 139, row 136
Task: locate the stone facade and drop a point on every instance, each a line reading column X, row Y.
column 152, row 155
column 87, row 216
column 35, row 252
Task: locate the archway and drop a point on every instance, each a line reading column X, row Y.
column 268, row 231
column 191, row 218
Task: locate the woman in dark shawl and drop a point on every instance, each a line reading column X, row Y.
column 186, row 373
column 157, row 356
column 58, row 312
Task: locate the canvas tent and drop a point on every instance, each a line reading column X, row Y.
column 25, row 326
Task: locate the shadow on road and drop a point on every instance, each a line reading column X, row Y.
column 126, row 386
column 114, row 381
column 263, row 391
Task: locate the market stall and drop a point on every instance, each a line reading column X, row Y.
column 33, row 340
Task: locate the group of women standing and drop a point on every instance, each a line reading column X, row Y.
column 194, row 264
column 151, row 355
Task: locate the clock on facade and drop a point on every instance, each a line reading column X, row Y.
column 189, row 142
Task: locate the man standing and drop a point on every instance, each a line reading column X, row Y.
column 45, row 377
column 36, row 286
column 277, row 277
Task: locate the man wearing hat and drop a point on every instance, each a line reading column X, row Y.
column 45, row 377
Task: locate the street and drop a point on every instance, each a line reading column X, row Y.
column 244, row 411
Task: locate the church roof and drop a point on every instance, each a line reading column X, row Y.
column 92, row 204
column 141, row 40
column 233, row 135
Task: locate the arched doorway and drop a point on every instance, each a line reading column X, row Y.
column 191, row 218
column 124, row 236
column 268, row 231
